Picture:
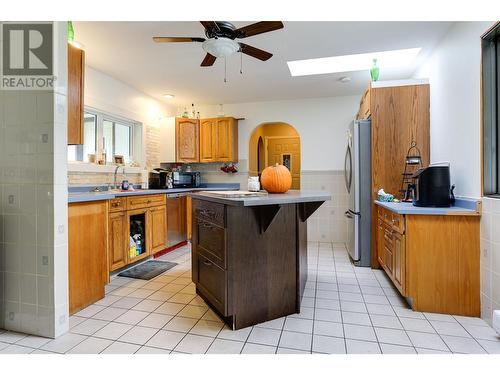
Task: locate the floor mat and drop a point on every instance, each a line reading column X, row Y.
column 148, row 270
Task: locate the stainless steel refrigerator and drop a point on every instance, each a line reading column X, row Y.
column 357, row 173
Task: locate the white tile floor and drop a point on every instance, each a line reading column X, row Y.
column 345, row 309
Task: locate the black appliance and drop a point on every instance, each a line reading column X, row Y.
column 158, row 179
column 432, row 187
column 186, row 179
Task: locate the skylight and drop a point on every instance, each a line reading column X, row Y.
column 352, row 63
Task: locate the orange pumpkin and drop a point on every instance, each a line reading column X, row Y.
column 276, row 179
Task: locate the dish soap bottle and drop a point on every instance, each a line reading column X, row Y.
column 374, row 71
column 185, row 114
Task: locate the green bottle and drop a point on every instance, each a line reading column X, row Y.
column 374, row 71
column 71, row 32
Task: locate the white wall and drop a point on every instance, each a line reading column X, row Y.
column 107, row 94
column 453, row 70
column 321, row 123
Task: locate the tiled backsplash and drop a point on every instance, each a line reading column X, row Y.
column 490, row 258
column 86, row 178
column 328, row 223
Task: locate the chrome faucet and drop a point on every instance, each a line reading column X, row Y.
column 115, row 186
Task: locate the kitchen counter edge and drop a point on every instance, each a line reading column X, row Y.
column 292, row 196
column 462, row 207
column 100, row 196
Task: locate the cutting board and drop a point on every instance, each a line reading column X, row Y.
column 236, row 194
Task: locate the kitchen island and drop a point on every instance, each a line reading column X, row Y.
column 249, row 258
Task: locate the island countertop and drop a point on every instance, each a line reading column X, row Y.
column 292, row 196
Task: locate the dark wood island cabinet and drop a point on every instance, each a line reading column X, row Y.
column 249, row 258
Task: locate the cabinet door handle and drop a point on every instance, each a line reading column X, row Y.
column 207, row 263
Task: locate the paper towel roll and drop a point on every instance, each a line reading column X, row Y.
column 496, row 320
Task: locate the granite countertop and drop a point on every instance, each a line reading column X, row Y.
column 462, row 206
column 292, row 196
column 82, row 194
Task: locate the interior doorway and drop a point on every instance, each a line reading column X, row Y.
column 273, row 143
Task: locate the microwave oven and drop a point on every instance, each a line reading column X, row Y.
column 186, row 179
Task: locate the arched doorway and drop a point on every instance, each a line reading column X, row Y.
column 272, row 143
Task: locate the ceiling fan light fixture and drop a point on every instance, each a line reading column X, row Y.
column 221, row 47
column 169, row 96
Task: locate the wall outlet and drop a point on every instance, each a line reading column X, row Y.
column 12, row 315
column 45, row 260
column 45, row 138
column 11, row 199
column 485, row 252
column 60, row 229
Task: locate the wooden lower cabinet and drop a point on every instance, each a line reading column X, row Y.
column 158, row 228
column 87, row 230
column 117, row 240
column 391, row 245
column 433, row 260
column 128, row 214
column 399, row 268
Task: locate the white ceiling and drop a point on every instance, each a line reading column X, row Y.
column 125, row 50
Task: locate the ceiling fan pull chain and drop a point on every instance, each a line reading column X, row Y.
column 241, row 62
column 225, row 69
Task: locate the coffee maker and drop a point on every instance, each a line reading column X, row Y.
column 432, row 186
column 159, row 179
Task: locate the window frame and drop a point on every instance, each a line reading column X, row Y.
column 490, row 79
column 134, row 126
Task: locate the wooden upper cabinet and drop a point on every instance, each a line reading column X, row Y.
column 226, row 136
column 187, row 133
column 76, row 73
column 207, row 141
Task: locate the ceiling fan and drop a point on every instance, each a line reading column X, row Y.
column 221, row 39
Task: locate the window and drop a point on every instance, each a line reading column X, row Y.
column 490, row 45
column 110, row 135
column 82, row 152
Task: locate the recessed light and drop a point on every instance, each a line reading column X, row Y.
column 352, row 63
column 345, row 79
column 169, row 96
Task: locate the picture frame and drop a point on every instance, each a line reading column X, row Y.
column 118, row 159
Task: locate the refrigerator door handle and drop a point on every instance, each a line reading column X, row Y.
column 348, row 170
column 348, row 214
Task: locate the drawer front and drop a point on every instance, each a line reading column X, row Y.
column 143, row 201
column 398, row 223
column 117, row 204
column 209, row 211
column 212, row 283
column 211, row 241
column 157, row 200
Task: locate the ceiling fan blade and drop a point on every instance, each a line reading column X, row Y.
column 176, row 39
column 259, row 28
column 208, row 60
column 209, row 24
column 255, row 52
